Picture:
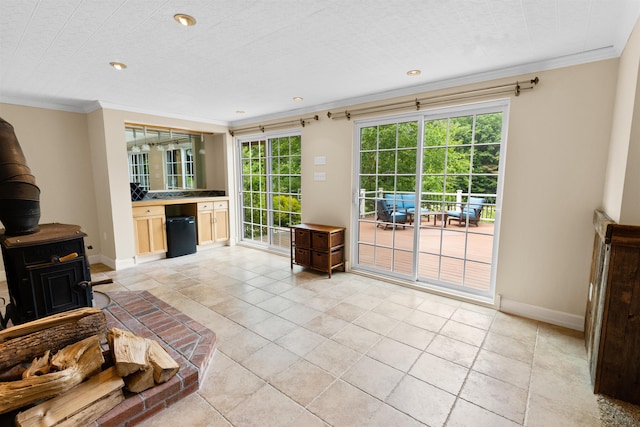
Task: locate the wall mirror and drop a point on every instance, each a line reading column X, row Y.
column 164, row 158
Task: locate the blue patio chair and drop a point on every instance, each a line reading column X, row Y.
column 387, row 216
column 404, row 203
column 470, row 212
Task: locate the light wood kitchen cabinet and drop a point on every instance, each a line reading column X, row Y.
column 150, row 230
column 213, row 222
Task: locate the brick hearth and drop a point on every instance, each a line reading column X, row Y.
column 191, row 344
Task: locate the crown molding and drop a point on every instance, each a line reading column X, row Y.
column 593, row 55
column 37, row 103
column 111, row 106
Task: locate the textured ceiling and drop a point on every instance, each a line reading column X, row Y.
column 255, row 56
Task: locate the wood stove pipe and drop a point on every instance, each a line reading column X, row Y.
column 19, row 194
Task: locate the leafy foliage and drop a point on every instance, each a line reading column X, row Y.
column 276, row 162
column 459, row 153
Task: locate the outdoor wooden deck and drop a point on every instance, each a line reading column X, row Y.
column 441, row 251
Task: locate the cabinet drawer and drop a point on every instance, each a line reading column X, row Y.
column 222, row 204
column 148, row 211
column 320, row 240
column 302, row 257
column 323, row 241
column 205, row 206
column 303, row 238
column 320, row 260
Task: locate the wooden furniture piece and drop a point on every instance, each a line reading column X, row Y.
column 320, row 247
column 612, row 319
column 213, row 222
column 471, row 212
column 387, row 216
column 150, row 229
column 442, row 216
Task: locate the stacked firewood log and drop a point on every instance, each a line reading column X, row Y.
column 68, row 370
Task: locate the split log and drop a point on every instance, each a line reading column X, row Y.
column 86, row 361
column 141, row 380
column 164, row 366
column 94, row 411
column 12, row 374
column 39, row 366
column 47, row 322
column 81, row 405
column 130, row 352
column 22, row 343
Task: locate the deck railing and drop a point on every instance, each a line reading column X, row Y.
column 437, row 202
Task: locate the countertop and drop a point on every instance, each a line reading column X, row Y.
column 177, row 201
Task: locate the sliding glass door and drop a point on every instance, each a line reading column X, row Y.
column 270, row 171
column 428, row 209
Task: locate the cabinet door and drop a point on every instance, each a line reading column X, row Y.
column 221, row 225
column 205, row 227
column 150, row 234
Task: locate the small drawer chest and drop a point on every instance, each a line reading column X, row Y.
column 319, row 247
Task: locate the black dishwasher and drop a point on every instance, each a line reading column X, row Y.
column 181, row 236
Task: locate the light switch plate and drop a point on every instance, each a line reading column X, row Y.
column 320, row 160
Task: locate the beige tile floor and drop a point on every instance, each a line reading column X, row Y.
column 299, row 349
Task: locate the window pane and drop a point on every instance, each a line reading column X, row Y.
column 386, row 161
column 488, row 128
column 435, row 133
column 387, row 136
column 408, row 135
column 407, row 161
column 369, row 138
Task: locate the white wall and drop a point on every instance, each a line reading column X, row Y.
column 554, row 176
column 119, row 232
column 622, row 186
column 557, row 150
column 56, row 147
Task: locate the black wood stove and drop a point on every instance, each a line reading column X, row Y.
column 47, row 272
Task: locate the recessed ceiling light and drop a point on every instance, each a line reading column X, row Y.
column 185, row 20
column 414, row 72
column 239, row 112
column 118, row 65
column 297, row 98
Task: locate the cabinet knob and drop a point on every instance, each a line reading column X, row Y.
column 148, row 210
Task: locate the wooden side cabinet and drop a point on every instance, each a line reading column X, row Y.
column 150, row 228
column 319, row 247
column 213, row 222
column 612, row 319
column 221, row 221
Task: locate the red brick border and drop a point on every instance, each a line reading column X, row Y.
column 191, row 344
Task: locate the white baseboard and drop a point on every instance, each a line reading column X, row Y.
column 121, row 264
column 559, row 318
column 111, row 263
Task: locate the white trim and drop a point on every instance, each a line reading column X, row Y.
column 559, row 318
column 121, row 264
column 593, row 55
